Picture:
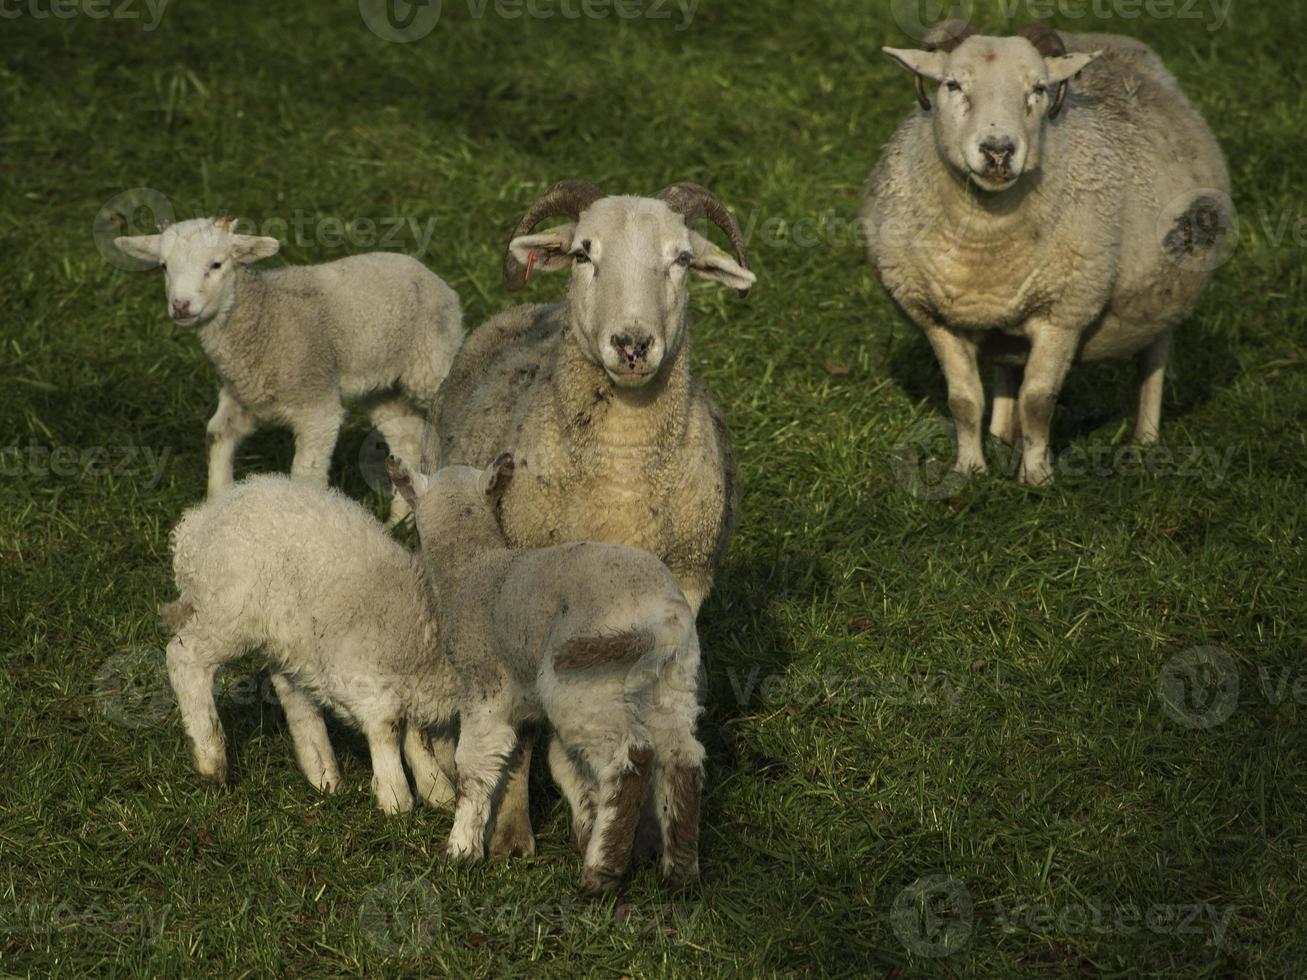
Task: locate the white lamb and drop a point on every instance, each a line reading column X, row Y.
column 596, row 638
column 290, row 344
column 341, row 610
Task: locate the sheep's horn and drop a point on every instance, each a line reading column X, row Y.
column 567, row 198
column 692, row 202
column 1049, row 43
column 946, row 36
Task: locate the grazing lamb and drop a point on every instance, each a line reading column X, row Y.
column 615, row 441
column 1058, row 199
column 343, row 612
column 290, row 344
column 595, row 638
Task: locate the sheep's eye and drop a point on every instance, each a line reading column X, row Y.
column 684, row 259
column 163, row 265
column 216, row 265
column 953, row 85
column 581, row 256
column 1041, row 89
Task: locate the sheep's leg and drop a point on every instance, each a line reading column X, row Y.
column 622, row 786
column 433, row 786
column 1052, row 349
column 1151, row 362
column 957, row 357
column 191, row 673
column 512, row 836
column 230, row 424
column 1005, row 424
column 308, row 732
column 577, row 788
column 485, row 744
column 402, row 426
column 389, row 783
column 677, row 790
column 315, row 440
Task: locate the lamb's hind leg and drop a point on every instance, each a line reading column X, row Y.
column 578, row 788
column 622, row 787
column 677, row 790
column 1151, row 363
column 433, row 786
column 191, row 670
column 402, row 426
column 485, row 744
column 389, row 783
column 308, row 732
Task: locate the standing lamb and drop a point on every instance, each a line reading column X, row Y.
column 595, row 638
column 341, row 609
column 615, row 441
column 290, row 344
column 1058, row 199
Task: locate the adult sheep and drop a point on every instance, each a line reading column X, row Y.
column 1058, row 199
column 615, row 441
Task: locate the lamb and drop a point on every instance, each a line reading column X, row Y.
column 615, row 441
column 1058, row 199
column 596, row 638
column 344, row 614
column 290, row 344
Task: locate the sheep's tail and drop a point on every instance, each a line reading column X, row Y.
column 175, row 615
column 604, row 650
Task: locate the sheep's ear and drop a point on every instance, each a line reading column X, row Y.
column 551, row 248
column 409, row 482
column 143, row 247
column 1068, row 66
column 927, row 64
column 495, row 480
column 719, row 265
column 251, row 248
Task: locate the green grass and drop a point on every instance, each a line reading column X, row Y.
column 961, row 683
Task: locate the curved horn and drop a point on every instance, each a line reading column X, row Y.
column 946, row 36
column 693, row 201
column 1049, row 43
column 567, row 198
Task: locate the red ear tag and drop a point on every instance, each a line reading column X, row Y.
column 530, row 264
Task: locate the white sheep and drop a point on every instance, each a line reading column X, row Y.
column 597, row 639
column 1058, row 199
column 615, row 440
column 290, row 344
column 343, row 613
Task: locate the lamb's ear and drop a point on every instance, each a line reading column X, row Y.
column 143, row 247
column 719, row 265
column 251, row 248
column 927, row 64
column 495, row 480
column 1068, row 66
column 551, row 248
column 409, row 482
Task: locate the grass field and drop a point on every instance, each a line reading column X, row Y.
column 953, row 729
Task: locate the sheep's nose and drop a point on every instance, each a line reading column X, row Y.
column 632, row 349
column 999, row 153
column 181, row 309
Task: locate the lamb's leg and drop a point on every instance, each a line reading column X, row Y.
column 315, row 440
column 579, row 790
column 389, row 783
column 433, row 786
column 677, row 789
column 308, row 732
column 966, row 395
column 512, row 836
column 1004, row 424
column 230, row 424
column 1151, row 362
column 485, row 744
column 1052, row 349
column 191, row 671
column 623, row 783
column 402, row 426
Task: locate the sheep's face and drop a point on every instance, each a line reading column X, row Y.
column 631, row 258
column 456, row 504
column 994, row 99
column 199, row 260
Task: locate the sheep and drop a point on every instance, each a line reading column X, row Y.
column 344, row 614
column 598, row 639
column 290, row 344
column 615, row 440
column 1058, row 199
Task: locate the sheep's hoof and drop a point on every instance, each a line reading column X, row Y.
column 456, row 854
column 1036, row 476
column 596, row 883
column 512, row 838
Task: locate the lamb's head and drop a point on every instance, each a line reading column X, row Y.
column 199, row 260
column 630, row 259
column 456, row 508
column 996, row 96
